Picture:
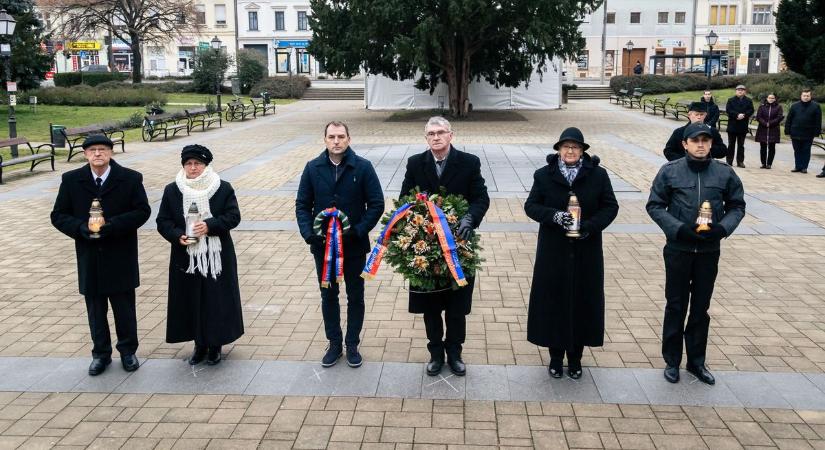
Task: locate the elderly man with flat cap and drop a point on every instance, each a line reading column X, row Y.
column 107, row 262
column 204, row 294
column 697, row 112
column 691, row 254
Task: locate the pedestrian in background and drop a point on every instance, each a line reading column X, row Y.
column 769, row 116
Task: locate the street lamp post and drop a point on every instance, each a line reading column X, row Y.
column 629, row 47
column 711, row 39
column 7, row 24
column 216, row 45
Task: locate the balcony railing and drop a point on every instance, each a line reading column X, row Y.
column 737, row 29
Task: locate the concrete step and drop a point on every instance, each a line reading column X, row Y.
column 333, row 93
column 590, row 92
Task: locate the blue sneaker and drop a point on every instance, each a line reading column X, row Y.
column 334, row 351
column 353, row 357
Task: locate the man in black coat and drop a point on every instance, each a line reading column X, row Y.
column 692, row 257
column 442, row 165
column 712, row 118
column 340, row 178
column 803, row 124
column 107, row 266
column 740, row 110
column 696, row 114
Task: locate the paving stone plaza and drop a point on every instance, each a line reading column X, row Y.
column 767, row 342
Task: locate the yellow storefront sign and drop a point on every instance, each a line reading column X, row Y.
column 84, row 45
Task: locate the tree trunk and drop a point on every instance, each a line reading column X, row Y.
column 137, row 59
column 457, row 69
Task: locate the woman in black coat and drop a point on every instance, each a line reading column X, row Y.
column 566, row 309
column 204, row 294
column 769, row 116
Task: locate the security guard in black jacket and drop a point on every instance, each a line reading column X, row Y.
column 691, row 257
column 697, row 113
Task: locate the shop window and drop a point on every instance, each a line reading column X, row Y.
column 282, row 61
column 303, row 61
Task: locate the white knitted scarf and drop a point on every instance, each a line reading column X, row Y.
column 206, row 253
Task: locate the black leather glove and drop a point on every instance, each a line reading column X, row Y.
column 716, row 233
column 105, row 230
column 465, row 227
column 315, row 240
column 686, row 233
column 84, row 231
column 563, row 219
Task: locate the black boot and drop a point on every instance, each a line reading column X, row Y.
column 555, row 367
column 213, row 355
column 574, row 369
column 198, row 355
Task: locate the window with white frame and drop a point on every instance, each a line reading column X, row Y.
column 220, row 15
column 279, row 21
column 200, row 14
column 611, row 17
column 762, row 15
column 679, row 17
column 722, row 15
column 253, row 20
column 635, row 17
column 663, row 16
column 303, row 23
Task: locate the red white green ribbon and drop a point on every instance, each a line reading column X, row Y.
column 333, row 249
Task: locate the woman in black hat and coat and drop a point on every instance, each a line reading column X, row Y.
column 566, row 311
column 769, row 116
column 204, row 294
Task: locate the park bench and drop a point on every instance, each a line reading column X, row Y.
column 163, row 124
column 658, row 103
column 679, row 109
column 258, row 104
column 236, row 110
column 820, row 140
column 723, row 119
column 75, row 137
column 35, row 157
column 634, row 99
column 618, row 97
column 203, row 118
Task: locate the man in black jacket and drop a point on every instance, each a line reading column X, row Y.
column 696, row 114
column 107, row 266
column 803, row 124
column 712, row 118
column 339, row 178
column 740, row 110
column 691, row 257
column 442, row 165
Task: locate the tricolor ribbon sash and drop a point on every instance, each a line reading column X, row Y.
column 333, row 249
column 441, row 227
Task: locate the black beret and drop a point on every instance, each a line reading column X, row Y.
column 698, row 107
column 196, row 151
column 97, row 139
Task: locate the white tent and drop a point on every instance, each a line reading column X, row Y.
column 381, row 92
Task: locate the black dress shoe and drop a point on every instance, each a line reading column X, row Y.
column 672, row 374
column 574, row 369
column 130, row 363
column 434, row 367
column 98, row 365
column 821, row 175
column 457, row 367
column 213, row 355
column 198, row 355
column 703, row 374
column 555, row 368
column 796, row 170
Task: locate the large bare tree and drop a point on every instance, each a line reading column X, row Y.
column 135, row 22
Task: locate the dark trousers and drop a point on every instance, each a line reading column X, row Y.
column 736, row 145
column 123, row 308
column 574, row 354
column 801, row 153
column 689, row 279
column 330, row 308
column 456, row 324
column 767, row 150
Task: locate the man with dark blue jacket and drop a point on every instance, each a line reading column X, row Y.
column 340, row 178
column 739, row 109
column 803, row 124
column 692, row 257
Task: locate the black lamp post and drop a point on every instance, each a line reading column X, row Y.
column 711, row 38
column 7, row 24
column 629, row 47
column 216, row 45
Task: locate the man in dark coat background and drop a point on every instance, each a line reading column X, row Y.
column 442, row 165
column 566, row 311
column 107, row 267
column 740, row 110
column 340, row 178
column 692, row 258
column 712, row 118
column 696, row 114
column 803, row 124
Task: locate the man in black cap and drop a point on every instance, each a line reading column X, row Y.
column 107, row 266
column 739, row 109
column 696, row 114
column 692, row 257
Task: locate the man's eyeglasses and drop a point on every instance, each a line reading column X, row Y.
column 570, row 148
column 439, row 133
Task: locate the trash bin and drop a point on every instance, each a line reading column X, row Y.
column 265, row 96
column 58, row 139
column 236, row 86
